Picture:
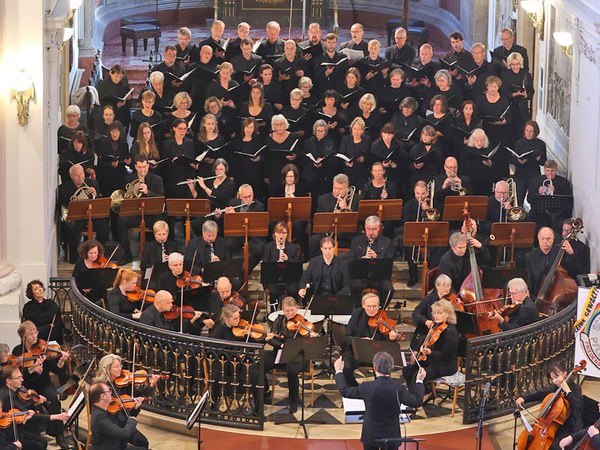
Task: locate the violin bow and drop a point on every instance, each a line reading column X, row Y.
column 114, row 389
column 147, row 287
column 535, row 419
column 415, row 356
column 252, row 321
column 192, row 267
column 111, row 255
column 49, row 334
column 181, row 312
column 80, row 386
column 12, row 413
column 303, row 316
column 133, row 368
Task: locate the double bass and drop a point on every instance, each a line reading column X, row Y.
column 476, row 299
column 554, row 411
column 558, row 290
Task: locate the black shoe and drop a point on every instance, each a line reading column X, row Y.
column 412, row 281
column 63, row 443
column 64, row 395
column 268, row 395
column 293, row 407
column 125, row 260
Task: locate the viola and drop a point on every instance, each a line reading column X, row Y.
column 554, row 411
column 187, row 312
column 28, row 394
column 384, row 324
column 452, row 298
column 298, row 323
column 137, row 295
column 101, row 262
column 432, row 337
column 128, row 402
column 139, row 377
column 234, row 299
column 256, row 331
column 187, row 281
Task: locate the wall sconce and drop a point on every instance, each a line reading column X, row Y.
column 535, row 9
column 22, row 91
column 565, row 40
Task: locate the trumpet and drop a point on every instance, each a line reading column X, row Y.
column 516, row 213
column 82, row 193
column 430, row 214
column 132, row 190
column 347, row 197
column 457, row 186
column 548, row 185
column 181, row 183
column 384, row 190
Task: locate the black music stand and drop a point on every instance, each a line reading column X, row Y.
column 365, row 349
column 555, row 206
column 195, row 417
column 93, row 277
column 335, row 223
column 288, row 210
column 284, row 272
column 215, row 270
column 143, row 206
column 395, row 442
column 300, row 350
column 196, row 297
column 466, row 325
column 183, row 207
column 389, row 209
column 330, row 305
column 512, row 234
column 98, row 208
column 476, row 205
column 371, row 269
column 157, row 270
column 499, row 278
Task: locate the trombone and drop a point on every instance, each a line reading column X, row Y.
column 348, row 197
column 516, row 213
column 431, row 214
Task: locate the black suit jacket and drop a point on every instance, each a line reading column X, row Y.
column 327, row 202
column 313, row 274
column 539, row 265
column 202, row 249
column 154, row 183
column 439, row 195
column 254, row 207
column 562, row 186
column 107, row 435
column 405, row 55
column 457, row 268
column 271, row 252
column 381, row 245
column 526, row 314
column 153, row 253
column 382, row 401
column 67, row 189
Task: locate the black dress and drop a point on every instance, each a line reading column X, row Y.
column 263, row 119
column 359, row 171
column 524, row 173
column 65, row 134
column 275, row 158
column 111, row 178
column 432, row 165
column 174, row 172
column 155, row 121
column 42, row 314
column 482, row 177
column 214, row 149
column 109, row 94
column 243, row 169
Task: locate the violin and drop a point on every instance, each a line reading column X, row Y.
column 187, row 312
column 432, row 337
column 384, row 324
column 41, row 347
column 452, row 298
column 102, row 262
column 554, row 411
column 25, row 359
column 138, row 377
column 234, row 299
column 137, row 295
column 27, row 394
column 298, row 323
column 255, row 331
column 7, row 417
column 127, row 400
column 185, row 280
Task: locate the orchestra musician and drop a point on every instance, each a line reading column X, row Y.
column 280, row 327
column 37, row 377
column 223, row 296
column 158, row 250
column 209, row 247
column 280, row 250
column 539, row 260
column 358, row 327
column 29, row 434
column 90, row 190
column 495, row 212
column 448, row 183
column 455, row 262
column 526, row 312
column 592, row 432
column 43, row 312
column 107, row 435
column 326, row 274
column 8, row 441
column 338, row 200
column 163, row 302
column 579, row 251
column 412, row 212
column 572, row 393
column 440, row 348
column 89, row 252
column 117, row 301
column 371, row 245
column 110, row 368
column 382, row 399
column 150, row 185
column 168, row 281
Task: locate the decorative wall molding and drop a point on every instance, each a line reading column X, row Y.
column 10, row 282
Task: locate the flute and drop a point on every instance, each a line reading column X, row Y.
column 219, row 211
column 181, row 183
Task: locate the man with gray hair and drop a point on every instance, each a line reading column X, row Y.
column 401, row 52
column 507, row 36
column 215, row 41
column 273, row 45
column 209, row 247
column 372, row 245
column 497, row 206
column 233, row 48
column 455, row 262
column 523, row 310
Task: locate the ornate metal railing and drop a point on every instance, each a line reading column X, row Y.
column 515, row 363
column 232, row 373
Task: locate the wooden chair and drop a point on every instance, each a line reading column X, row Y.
column 455, row 384
column 311, row 371
column 89, row 424
column 430, row 277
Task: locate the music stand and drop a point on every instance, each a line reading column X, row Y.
column 559, row 203
column 395, row 442
column 182, row 207
column 454, row 207
column 330, row 305
column 384, row 209
column 426, row 234
column 512, row 234
column 289, row 209
column 157, row 270
column 93, row 277
column 142, row 206
column 98, row 208
column 300, row 350
column 246, row 224
column 194, row 417
column 365, row 349
column 335, row 223
column 466, row 323
column 284, row 272
column 371, row 269
column 499, row 278
column 215, row 270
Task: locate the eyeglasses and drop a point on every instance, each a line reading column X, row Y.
column 17, row 378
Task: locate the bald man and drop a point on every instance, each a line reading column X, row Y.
column 401, row 51
column 163, row 302
column 445, row 181
column 273, row 45
column 72, row 234
column 495, row 212
column 217, row 300
column 357, row 32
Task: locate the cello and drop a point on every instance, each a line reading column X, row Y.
column 476, row 299
column 558, row 290
column 554, row 411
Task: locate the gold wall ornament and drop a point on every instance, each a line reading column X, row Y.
column 22, row 90
column 270, row 2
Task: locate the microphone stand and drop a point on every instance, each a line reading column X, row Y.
column 479, row 434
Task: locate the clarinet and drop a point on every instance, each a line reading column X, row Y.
column 369, row 246
column 163, row 252
column 281, row 247
column 212, row 252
